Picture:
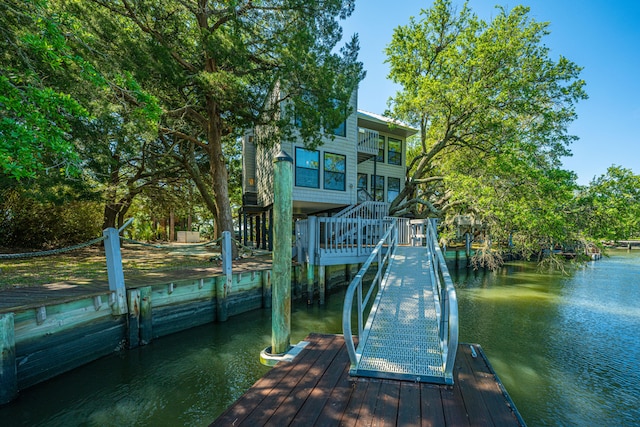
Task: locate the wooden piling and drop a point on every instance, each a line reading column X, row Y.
column 310, row 283
column 347, row 273
column 8, row 369
column 133, row 320
column 145, row 319
column 321, row 283
column 223, row 283
column 298, row 271
column 221, row 299
column 281, row 286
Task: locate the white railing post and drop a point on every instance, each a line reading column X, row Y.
column 115, row 273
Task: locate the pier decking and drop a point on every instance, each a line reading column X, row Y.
column 316, row 390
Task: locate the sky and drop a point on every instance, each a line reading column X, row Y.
column 602, row 36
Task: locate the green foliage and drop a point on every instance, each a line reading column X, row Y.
column 26, row 222
column 609, row 207
column 36, row 114
column 493, row 109
column 221, row 68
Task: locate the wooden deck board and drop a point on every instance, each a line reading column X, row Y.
column 316, row 389
column 315, row 403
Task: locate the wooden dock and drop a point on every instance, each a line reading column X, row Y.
column 26, row 297
column 316, row 389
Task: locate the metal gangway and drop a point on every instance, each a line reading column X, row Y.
column 411, row 331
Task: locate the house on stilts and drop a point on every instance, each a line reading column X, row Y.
column 353, row 176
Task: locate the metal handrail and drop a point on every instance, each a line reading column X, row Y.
column 448, row 302
column 389, row 240
column 368, row 209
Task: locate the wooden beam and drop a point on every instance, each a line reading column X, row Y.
column 146, row 324
column 321, row 283
column 8, row 369
column 133, row 320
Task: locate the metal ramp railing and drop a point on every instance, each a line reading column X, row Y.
column 411, row 331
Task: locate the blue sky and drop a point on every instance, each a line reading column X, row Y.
column 602, row 36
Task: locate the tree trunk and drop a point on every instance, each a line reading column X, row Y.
column 190, row 165
column 219, row 174
column 110, row 204
column 110, row 215
column 221, row 192
column 172, row 225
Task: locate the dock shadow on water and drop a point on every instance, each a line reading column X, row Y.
column 185, row 379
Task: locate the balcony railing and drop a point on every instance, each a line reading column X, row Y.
column 368, row 141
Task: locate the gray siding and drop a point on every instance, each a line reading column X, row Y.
column 248, row 164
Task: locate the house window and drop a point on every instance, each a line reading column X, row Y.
column 380, row 157
column 334, row 171
column 307, row 168
column 363, row 181
column 377, row 187
column 393, row 188
column 341, row 130
column 363, row 185
column 395, row 151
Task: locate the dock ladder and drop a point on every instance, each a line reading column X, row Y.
column 411, row 331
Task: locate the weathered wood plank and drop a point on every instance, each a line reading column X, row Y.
column 409, row 408
column 146, row 315
column 431, row 407
column 43, row 359
column 267, row 391
column 455, row 413
column 387, row 406
column 368, row 407
column 315, row 403
column 261, row 415
column 493, row 396
column 170, row 319
column 8, row 372
column 466, row 382
column 354, row 405
column 339, row 397
column 133, row 321
column 300, row 393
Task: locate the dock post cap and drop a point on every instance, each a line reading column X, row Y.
column 282, row 156
column 268, row 359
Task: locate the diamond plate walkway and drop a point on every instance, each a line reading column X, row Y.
column 401, row 336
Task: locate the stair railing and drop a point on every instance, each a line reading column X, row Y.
column 381, row 255
column 448, row 303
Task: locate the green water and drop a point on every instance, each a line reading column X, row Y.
column 567, row 348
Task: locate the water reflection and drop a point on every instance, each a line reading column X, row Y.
column 566, row 347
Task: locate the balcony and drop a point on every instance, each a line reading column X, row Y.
column 367, row 144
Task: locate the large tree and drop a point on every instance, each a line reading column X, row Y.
column 493, row 109
column 218, row 68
